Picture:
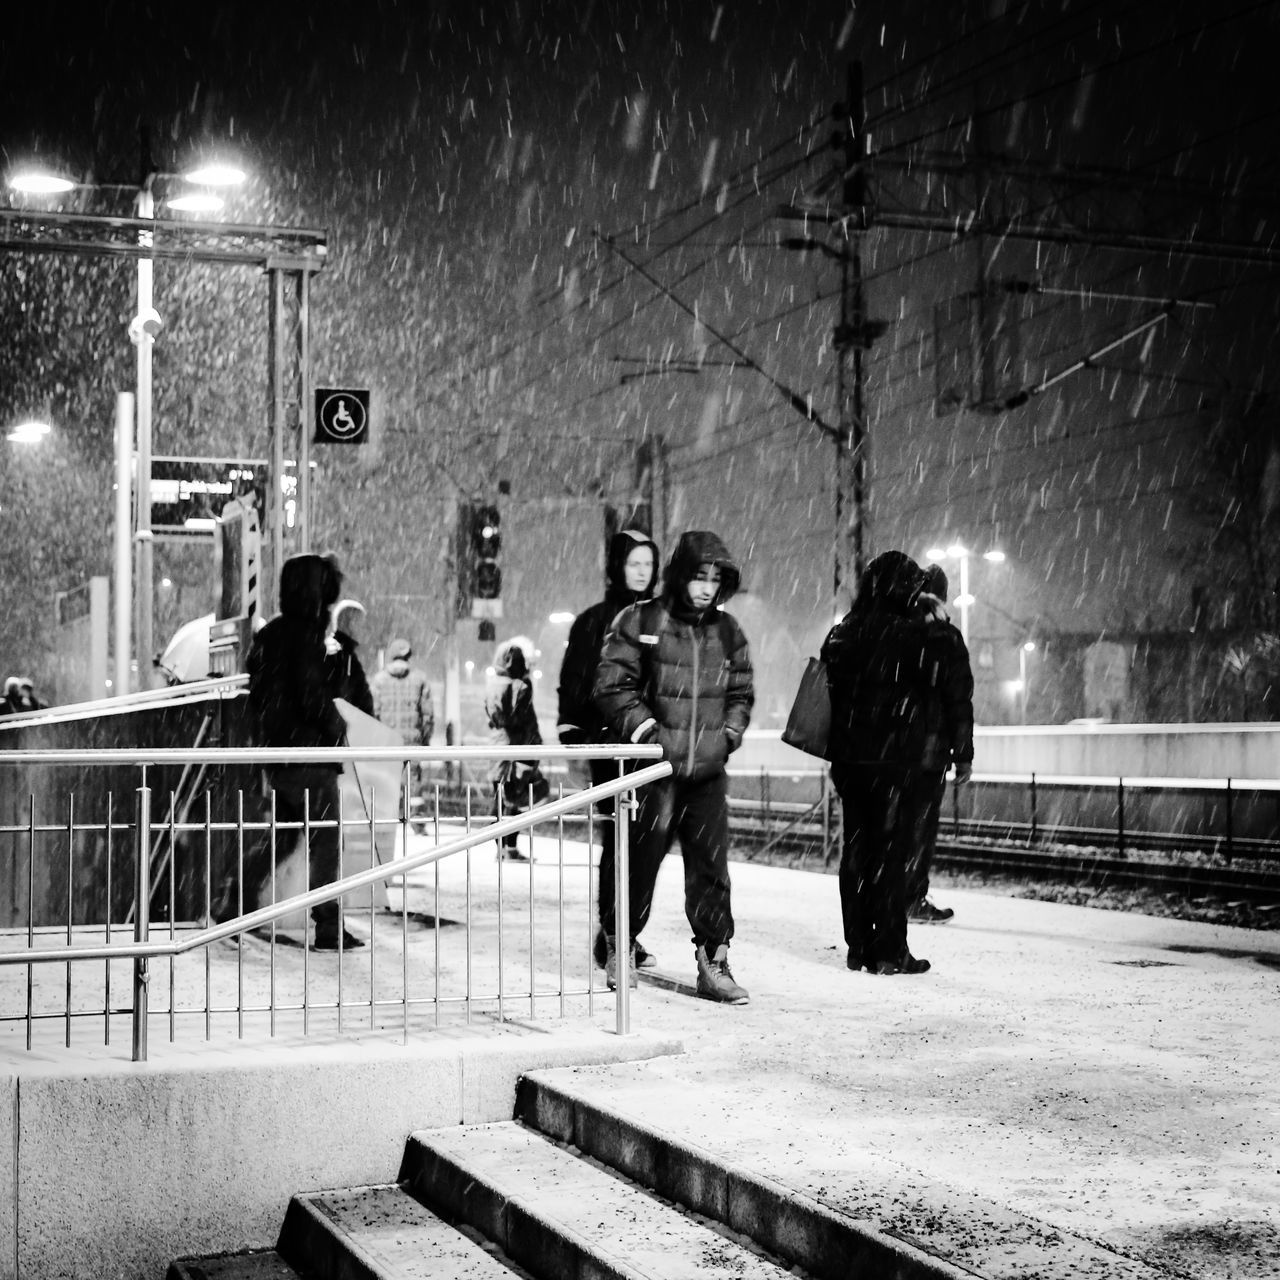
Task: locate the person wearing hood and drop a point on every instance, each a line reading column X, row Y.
column 677, row 671
column 878, row 669
column 291, row 700
column 518, row 785
column 344, row 672
column 631, row 568
column 402, row 701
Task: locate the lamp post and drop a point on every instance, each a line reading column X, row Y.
column 1026, row 647
column 958, row 551
column 143, row 328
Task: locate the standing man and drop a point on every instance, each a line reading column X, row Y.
column 677, row 671
column 631, row 567
column 948, row 740
column 291, row 698
column 402, row 701
column 877, row 659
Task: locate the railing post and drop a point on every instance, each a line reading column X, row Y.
column 1230, row 822
column 141, row 920
column 1034, row 814
column 625, row 806
column 1120, row 817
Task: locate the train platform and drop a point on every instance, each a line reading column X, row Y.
column 1069, row 1092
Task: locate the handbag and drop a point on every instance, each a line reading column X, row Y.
column 809, row 724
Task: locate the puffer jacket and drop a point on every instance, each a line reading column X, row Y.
column 579, row 719
column 878, row 669
column 402, row 701
column 680, row 677
column 289, row 692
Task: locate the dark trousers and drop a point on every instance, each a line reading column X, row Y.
column 697, row 813
column 881, row 814
column 310, row 791
column 925, row 842
column 605, row 824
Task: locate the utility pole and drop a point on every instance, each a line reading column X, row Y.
column 851, row 339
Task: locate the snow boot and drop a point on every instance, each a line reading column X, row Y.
column 715, row 982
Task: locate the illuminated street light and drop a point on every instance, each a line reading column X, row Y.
column 143, row 330
column 965, row 600
column 30, row 432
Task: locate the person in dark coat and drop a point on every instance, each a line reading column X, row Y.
column 291, row 691
column 878, row 669
column 677, row 671
column 948, row 740
column 343, row 669
column 518, row 785
column 631, row 568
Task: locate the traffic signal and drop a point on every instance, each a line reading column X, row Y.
column 480, row 570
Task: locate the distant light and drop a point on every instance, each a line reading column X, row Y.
column 958, row 549
column 935, row 554
column 996, row 557
column 1013, row 687
column 469, row 666
column 200, row 522
column 29, row 432
column 965, row 601
column 1029, row 646
column 36, row 183
column 166, row 582
column 560, row 617
column 195, row 202
column 537, row 673
column 216, row 175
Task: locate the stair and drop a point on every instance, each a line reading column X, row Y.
column 564, row 1191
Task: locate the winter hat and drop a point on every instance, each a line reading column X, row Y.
column 399, row 649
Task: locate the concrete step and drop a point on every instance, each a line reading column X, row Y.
column 562, row 1216
column 380, row 1233
column 257, row 1264
column 789, row 1225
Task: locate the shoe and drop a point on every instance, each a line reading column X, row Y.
column 855, row 962
column 924, row 912
column 715, row 982
column 327, row 940
column 644, row 959
column 611, row 965
column 908, row 964
column 512, row 855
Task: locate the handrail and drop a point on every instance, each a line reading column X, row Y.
column 323, row 755
column 359, row 880
column 173, row 696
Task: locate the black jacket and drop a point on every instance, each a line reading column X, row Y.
column 289, row 673
column 949, row 711
column 880, row 670
column 579, row 720
column 680, row 677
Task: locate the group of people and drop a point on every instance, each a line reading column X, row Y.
column 676, row 670
column 20, row 695
column 663, row 662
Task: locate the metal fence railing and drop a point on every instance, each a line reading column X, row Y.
column 140, row 911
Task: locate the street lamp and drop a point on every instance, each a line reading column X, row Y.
column 143, row 328
column 958, row 551
column 1026, row 647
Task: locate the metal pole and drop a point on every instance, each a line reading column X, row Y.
column 964, row 597
column 123, row 586
column 141, row 919
column 143, row 333
column 624, row 806
column 304, row 414
column 275, row 358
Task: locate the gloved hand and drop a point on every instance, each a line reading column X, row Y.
column 570, row 735
column 963, row 771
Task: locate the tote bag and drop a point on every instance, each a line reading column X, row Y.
column 809, row 723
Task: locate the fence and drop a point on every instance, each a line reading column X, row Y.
column 137, row 892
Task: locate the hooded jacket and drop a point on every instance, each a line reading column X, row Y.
column 402, row 697
column 508, row 702
column 289, row 691
column 880, row 671
column 677, row 675
column 579, row 719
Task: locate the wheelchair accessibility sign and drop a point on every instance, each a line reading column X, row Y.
column 342, row 416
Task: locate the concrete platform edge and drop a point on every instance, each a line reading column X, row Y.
column 117, row 1167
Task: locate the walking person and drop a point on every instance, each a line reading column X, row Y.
column 291, row 691
column 677, row 671
column 518, row 785
column 877, row 659
column 402, row 701
column 948, row 739
column 631, row 567
column 343, row 669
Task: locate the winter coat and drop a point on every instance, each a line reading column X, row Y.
column 579, row 719
column 677, row 676
column 508, row 702
column 344, row 673
column 949, row 710
column 402, row 701
column 880, row 669
column 290, row 695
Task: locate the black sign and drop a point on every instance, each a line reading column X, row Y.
column 189, row 493
column 342, row 416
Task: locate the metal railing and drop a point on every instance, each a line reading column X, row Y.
column 173, row 861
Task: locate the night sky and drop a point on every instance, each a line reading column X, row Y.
column 530, row 204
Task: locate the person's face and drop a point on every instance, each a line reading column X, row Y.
column 637, row 572
column 704, row 586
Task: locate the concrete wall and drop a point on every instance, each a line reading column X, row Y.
column 112, row 1169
